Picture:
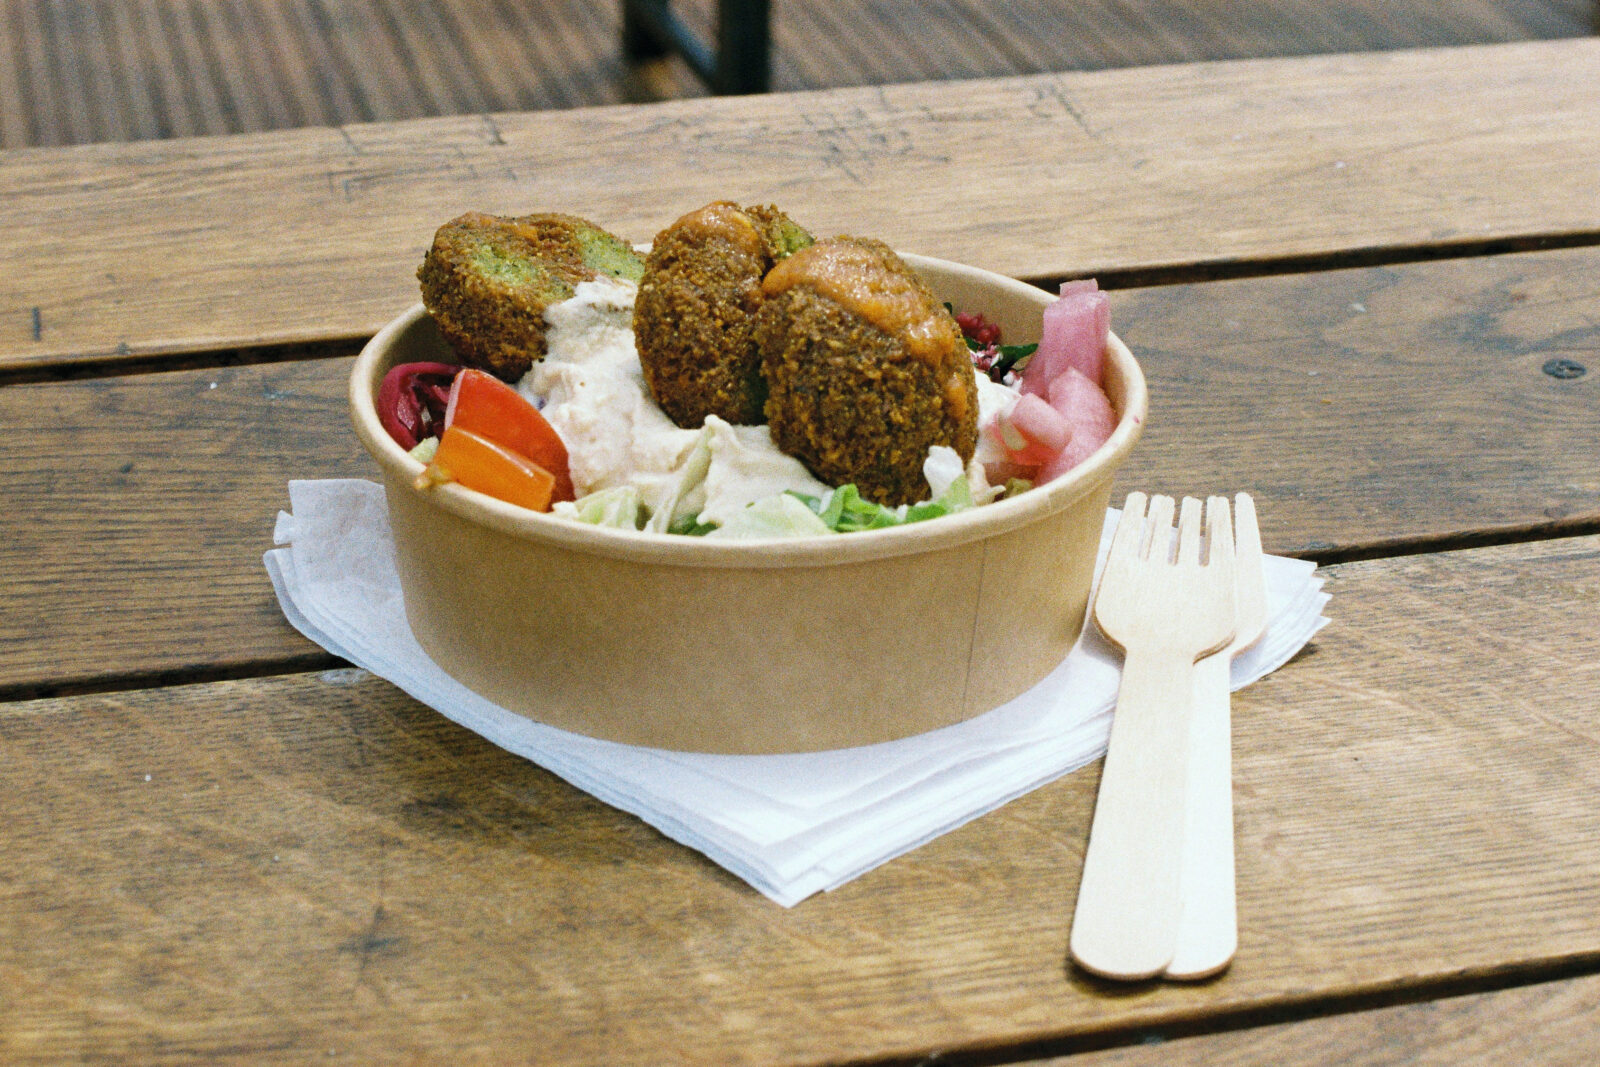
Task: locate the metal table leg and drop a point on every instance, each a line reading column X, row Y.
column 740, row 62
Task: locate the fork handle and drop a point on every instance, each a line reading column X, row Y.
column 1126, row 925
column 1208, row 933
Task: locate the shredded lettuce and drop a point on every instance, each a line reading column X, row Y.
column 958, row 497
column 1016, row 486
column 690, row 526
column 786, row 514
column 689, row 496
column 781, row 515
column 618, row 506
column 845, row 510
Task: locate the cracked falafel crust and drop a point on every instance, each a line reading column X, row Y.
column 693, row 321
column 865, row 369
column 487, row 280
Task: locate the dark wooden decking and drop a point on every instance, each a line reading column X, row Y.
column 77, row 71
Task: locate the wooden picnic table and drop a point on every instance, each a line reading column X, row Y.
column 1364, row 288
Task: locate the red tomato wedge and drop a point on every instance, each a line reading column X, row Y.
column 490, row 468
column 493, row 410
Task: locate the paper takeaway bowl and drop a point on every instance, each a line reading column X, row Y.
column 751, row 646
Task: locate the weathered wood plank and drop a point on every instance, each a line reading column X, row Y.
column 1554, row 1024
column 1380, row 408
column 139, row 540
column 315, row 865
column 817, row 44
column 1365, row 409
column 162, row 247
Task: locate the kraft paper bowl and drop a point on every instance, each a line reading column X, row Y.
column 755, row 646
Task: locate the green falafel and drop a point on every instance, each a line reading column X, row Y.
column 693, row 320
column 865, row 369
column 487, row 280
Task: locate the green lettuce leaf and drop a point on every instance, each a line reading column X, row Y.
column 619, row 506
column 846, row 511
column 781, row 515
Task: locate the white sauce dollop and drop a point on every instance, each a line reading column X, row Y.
column 592, row 391
column 994, row 400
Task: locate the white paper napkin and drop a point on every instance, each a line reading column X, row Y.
column 789, row 825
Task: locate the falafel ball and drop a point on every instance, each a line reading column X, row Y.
column 865, row 369
column 487, row 280
column 693, row 320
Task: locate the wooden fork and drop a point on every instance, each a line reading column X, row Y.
column 1208, row 933
column 1165, row 613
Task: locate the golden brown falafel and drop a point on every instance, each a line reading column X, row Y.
column 487, row 280
column 865, row 369
column 693, row 319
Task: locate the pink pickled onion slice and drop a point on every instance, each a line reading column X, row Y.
column 1014, row 446
column 999, row 472
column 1073, row 334
column 1040, row 423
column 1086, row 408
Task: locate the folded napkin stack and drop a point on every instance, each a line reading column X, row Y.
column 789, row 825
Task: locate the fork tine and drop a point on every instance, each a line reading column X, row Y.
column 1158, row 529
column 1249, row 530
column 1189, row 530
column 1251, row 580
column 1219, row 530
column 1127, row 541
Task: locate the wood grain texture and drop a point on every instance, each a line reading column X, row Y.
column 118, row 70
column 313, row 865
column 1378, row 409
column 208, row 243
column 1553, row 1024
column 140, row 529
column 120, row 491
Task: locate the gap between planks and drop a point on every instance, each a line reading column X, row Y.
column 156, row 360
column 1551, row 1023
column 132, row 681
column 99, row 684
column 1288, row 1011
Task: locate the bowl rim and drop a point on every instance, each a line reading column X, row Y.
column 645, row 546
